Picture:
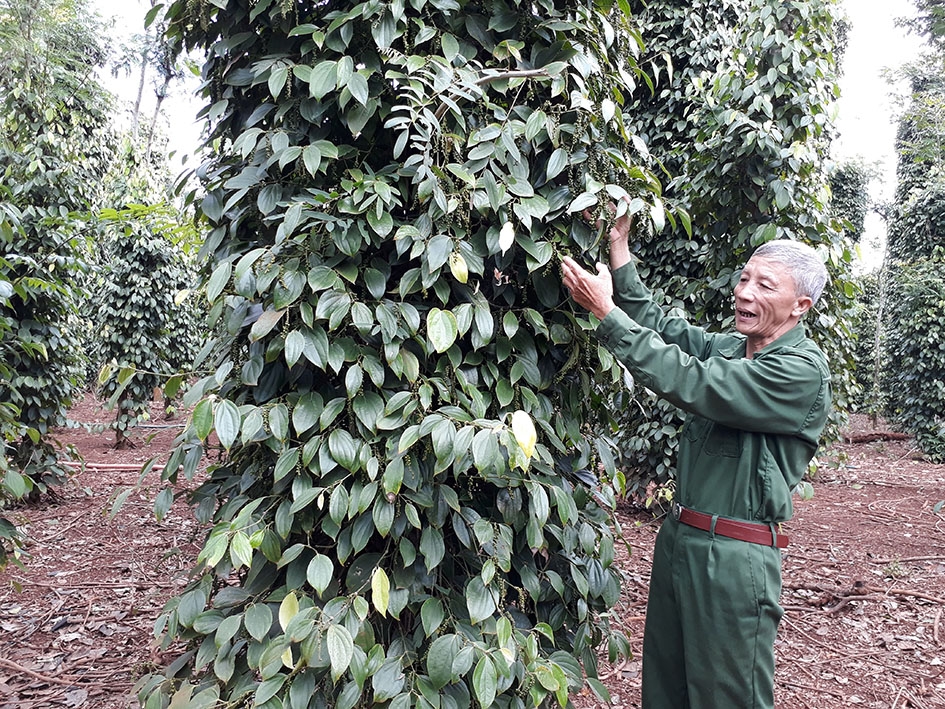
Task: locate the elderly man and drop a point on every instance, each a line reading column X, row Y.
column 756, row 404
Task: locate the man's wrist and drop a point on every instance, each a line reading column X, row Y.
column 604, row 310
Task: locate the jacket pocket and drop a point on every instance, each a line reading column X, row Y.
column 722, row 441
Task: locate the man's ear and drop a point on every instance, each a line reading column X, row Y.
column 802, row 305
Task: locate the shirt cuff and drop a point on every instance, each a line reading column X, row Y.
column 614, row 326
column 622, row 336
column 627, row 280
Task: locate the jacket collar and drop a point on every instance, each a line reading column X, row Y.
column 793, row 337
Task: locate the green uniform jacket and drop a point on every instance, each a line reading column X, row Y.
column 753, row 424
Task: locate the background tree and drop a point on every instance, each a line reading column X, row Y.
column 849, row 196
column 870, row 353
column 401, row 386
column 148, row 328
column 13, row 485
column 914, row 372
column 54, row 148
column 143, row 327
column 850, row 203
column 915, row 351
column 915, row 228
column 763, row 168
column 928, row 22
column 149, row 53
column 739, row 114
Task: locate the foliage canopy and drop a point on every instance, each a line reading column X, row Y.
column 405, row 511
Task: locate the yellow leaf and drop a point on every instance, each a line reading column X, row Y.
column 288, row 609
column 105, row 372
column 523, row 428
column 458, row 267
column 287, row 658
column 380, row 590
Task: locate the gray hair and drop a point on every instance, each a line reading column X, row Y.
column 806, row 267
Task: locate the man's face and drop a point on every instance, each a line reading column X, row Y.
column 766, row 302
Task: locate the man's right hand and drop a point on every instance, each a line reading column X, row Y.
column 594, row 292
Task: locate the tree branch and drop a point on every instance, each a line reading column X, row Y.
column 489, row 78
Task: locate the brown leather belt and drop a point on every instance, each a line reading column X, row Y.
column 754, row 532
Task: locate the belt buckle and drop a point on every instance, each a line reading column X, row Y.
column 676, row 511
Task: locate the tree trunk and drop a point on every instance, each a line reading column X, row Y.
column 161, row 94
column 136, row 112
column 878, row 341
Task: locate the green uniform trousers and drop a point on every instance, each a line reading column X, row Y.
column 713, row 607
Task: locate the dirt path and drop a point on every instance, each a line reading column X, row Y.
column 864, row 584
column 76, row 623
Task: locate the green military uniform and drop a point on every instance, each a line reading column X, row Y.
column 751, row 429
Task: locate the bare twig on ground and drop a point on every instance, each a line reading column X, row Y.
column 912, row 699
column 113, row 467
column 801, row 666
column 906, row 558
column 88, row 613
column 875, row 436
column 859, row 592
column 806, row 635
column 58, row 532
column 615, row 671
column 907, row 592
column 809, row 587
column 839, row 654
column 791, row 555
column 886, row 518
column 798, row 685
column 847, row 656
column 68, row 682
column 896, row 700
column 843, row 602
column 143, row 583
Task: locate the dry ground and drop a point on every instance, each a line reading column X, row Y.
column 864, row 583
